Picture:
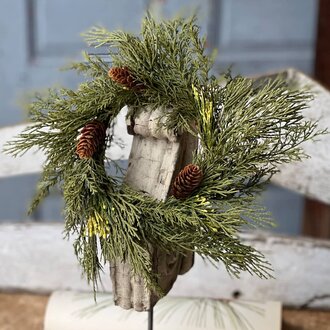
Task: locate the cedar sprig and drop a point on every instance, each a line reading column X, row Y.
column 167, row 58
column 245, row 130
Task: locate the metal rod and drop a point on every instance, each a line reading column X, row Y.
column 151, row 318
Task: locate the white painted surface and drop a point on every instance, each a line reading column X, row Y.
column 32, row 161
column 311, row 177
column 35, row 257
column 78, row 311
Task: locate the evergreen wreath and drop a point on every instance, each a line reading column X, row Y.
column 245, row 129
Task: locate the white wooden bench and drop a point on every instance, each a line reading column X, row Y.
column 34, row 256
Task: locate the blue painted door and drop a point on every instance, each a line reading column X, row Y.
column 39, row 36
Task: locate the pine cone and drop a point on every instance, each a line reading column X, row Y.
column 122, row 76
column 91, row 138
column 187, row 181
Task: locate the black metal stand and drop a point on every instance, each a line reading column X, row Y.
column 151, row 319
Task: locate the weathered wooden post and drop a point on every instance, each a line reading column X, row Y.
column 157, row 155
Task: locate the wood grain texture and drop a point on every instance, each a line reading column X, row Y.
column 156, row 157
column 316, row 222
column 34, row 257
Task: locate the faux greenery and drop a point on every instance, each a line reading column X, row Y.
column 246, row 129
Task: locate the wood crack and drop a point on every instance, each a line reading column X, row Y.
column 314, row 299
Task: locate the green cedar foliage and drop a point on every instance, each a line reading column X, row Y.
column 245, row 129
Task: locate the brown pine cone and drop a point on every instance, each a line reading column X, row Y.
column 187, row 181
column 122, row 76
column 91, row 138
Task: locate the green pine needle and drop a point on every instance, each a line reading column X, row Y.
column 246, row 129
